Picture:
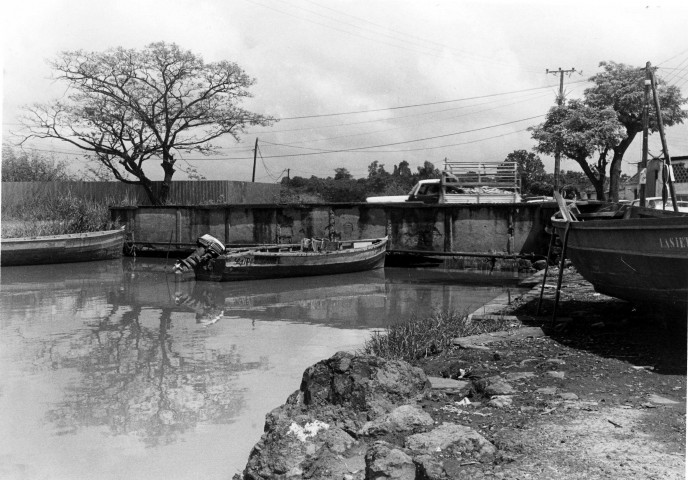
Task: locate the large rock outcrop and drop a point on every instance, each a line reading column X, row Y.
column 357, row 417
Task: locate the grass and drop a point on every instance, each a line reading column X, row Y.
column 56, row 214
column 421, row 337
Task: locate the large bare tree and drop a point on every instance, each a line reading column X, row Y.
column 127, row 106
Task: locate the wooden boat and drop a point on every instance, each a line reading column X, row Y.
column 311, row 257
column 75, row 247
column 632, row 253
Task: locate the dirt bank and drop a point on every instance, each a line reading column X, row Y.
column 601, row 393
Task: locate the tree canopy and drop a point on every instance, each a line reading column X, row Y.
column 605, row 122
column 129, row 106
column 344, row 188
column 534, row 179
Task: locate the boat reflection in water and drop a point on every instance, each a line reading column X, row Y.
column 122, row 369
column 372, row 299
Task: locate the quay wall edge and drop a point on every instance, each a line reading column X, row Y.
column 509, row 228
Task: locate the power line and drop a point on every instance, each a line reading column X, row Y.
column 359, row 149
column 419, row 104
column 372, row 132
column 388, row 119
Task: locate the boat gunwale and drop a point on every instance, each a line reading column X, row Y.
column 380, row 243
column 65, row 236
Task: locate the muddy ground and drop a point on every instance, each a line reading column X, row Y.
column 602, row 394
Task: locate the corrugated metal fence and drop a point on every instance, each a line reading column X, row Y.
column 118, row 193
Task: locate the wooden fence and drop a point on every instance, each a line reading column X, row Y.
column 118, row 193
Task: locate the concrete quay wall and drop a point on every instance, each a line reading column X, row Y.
column 508, row 228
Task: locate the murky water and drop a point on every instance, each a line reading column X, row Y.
column 117, row 369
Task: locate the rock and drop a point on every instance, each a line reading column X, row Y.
column 329, row 465
column 501, row 401
column 429, row 468
column 494, row 385
column 540, row 264
column 661, row 400
column 546, row 390
column 514, row 376
column 556, row 374
column 310, row 435
column 363, row 382
column 454, row 439
column 558, row 361
column 402, row 419
column 448, row 385
column 384, row 460
column 477, row 341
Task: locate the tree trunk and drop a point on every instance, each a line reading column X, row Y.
column 152, row 196
column 167, row 180
column 598, row 183
column 615, row 167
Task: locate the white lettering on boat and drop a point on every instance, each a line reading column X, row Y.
column 673, row 242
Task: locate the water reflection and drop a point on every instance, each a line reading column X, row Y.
column 135, row 381
column 92, row 354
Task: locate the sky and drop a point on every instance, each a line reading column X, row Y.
column 393, row 79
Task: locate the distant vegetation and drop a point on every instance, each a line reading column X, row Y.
column 33, row 167
column 56, row 214
column 342, row 187
column 47, row 214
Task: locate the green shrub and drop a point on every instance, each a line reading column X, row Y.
column 421, row 337
column 56, row 214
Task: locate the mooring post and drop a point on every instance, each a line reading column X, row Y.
column 561, row 271
column 544, row 277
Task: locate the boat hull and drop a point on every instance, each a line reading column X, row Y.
column 77, row 247
column 263, row 265
column 641, row 260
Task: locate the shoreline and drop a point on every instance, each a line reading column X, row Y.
column 603, row 384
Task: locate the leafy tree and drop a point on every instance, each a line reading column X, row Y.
column 402, row 170
column 530, row 169
column 130, row 106
column 342, row 174
column 378, row 177
column 606, row 122
column 33, row 167
column 428, row 171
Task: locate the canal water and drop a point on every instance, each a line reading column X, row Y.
column 119, row 369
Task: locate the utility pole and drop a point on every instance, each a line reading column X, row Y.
column 255, row 153
column 667, row 158
column 646, row 122
column 560, row 101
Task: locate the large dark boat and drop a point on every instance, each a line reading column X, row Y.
column 632, row 253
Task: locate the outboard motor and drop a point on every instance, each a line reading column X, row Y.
column 209, row 247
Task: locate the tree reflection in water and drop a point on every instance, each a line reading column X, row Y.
column 134, row 382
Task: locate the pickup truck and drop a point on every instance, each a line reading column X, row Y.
column 476, row 184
